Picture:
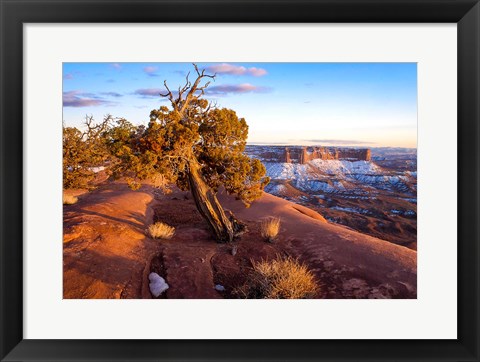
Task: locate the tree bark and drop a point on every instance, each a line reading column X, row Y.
column 208, row 205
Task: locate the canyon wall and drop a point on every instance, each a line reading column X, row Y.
column 302, row 154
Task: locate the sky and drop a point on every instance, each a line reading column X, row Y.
column 329, row 104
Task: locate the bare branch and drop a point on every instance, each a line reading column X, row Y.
column 208, row 108
column 181, row 103
column 196, row 87
column 169, row 94
column 95, row 129
column 196, row 69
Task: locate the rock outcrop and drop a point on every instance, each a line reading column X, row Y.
column 303, row 154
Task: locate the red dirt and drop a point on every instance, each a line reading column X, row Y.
column 104, row 247
column 107, row 255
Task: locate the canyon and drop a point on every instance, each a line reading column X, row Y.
column 373, row 191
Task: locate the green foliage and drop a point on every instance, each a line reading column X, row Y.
column 82, row 151
column 224, row 137
column 189, row 134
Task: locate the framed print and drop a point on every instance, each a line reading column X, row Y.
column 350, row 130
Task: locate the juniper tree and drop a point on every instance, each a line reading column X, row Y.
column 196, row 146
column 82, row 151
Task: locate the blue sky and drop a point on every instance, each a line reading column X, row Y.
column 344, row 104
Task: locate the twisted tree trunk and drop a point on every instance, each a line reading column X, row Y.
column 208, row 205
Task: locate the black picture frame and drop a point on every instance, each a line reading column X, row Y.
column 14, row 13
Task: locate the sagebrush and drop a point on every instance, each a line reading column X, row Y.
column 270, row 228
column 281, row 278
column 160, row 230
column 69, row 199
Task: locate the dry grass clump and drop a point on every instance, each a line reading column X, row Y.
column 269, row 228
column 69, row 199
column 282, row 278
column 160, row 230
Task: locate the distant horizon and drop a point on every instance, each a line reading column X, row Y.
column 356, row 104
column 325, row 145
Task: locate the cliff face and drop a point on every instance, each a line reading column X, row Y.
column 304, row 154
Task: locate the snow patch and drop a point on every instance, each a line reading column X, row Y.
column 356, row 210
column 157, row 284
column 219, row 288
column 276, row 189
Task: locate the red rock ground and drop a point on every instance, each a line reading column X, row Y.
column 108, row 255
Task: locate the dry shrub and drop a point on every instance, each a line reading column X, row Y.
column 282, row 278
column 160, row 230
column 269, row 228
column 69, row 199
column 160, row 182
